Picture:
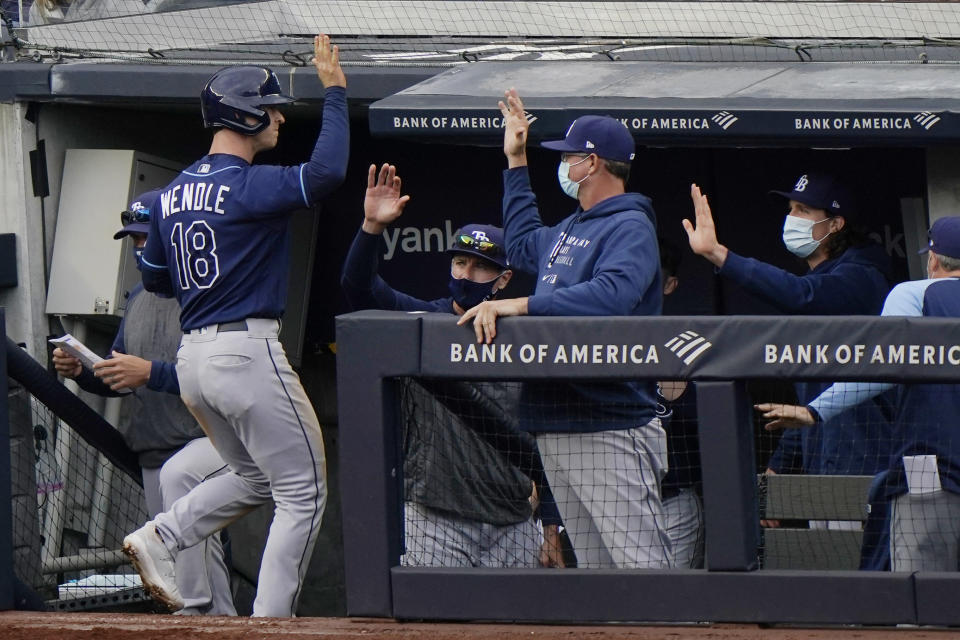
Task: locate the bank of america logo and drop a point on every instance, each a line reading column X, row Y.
column 926, row 119
column 688, row 346
column 530, row 117
column 724, row 119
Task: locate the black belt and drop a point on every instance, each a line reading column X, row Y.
column 239, row 325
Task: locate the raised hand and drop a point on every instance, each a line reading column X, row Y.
column 327, row 61
column 515, row 129
column 382, row 203
column 703, row 237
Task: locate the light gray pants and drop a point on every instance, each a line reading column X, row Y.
column 435, row 539
column 202, row 575
column 607, row 488
column 250, row 402
column 925, row 532
column 683, row 514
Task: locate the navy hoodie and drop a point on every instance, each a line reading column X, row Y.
column 600, row 262
column 854, row 283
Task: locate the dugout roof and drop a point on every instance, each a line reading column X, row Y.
column 830, row 103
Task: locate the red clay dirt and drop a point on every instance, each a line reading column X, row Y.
column 21, row 625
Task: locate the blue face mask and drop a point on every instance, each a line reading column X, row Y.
column 798, row 236
column 468, row 293
column 570, row 187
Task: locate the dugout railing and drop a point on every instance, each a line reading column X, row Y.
column 70, row 491
column 377, row 349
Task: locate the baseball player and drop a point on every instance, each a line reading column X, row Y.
column 603, row 448
column 173, row 452
column 923, row 479
column 465, row 501
column 219, row 241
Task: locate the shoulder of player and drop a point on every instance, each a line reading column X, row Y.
column 906, row 298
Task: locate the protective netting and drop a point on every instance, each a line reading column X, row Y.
column 71, row 510
column 861, row 488
column 449, row 32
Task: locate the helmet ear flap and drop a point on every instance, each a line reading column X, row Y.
column 235, row 94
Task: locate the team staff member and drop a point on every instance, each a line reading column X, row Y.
column 602, row 445
column 924, row 474
column 848, row 275
column 468, row 508
column 173, row 452
column 220, row 242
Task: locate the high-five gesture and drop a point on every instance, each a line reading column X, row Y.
column 383, row 203
column 327, row 61
column 703, row 238
column 515, row 129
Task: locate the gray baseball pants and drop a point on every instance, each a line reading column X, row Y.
column 607, row 488
column 925, row 532
column 202, row 575
column 249, row 401
column 683, row 515
column 435, row 539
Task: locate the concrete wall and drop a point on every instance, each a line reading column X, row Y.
column 20, row 213
column 943, row 182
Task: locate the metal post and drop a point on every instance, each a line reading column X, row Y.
column 729, row 476
column 6, row 508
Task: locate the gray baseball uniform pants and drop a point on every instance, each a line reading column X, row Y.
column 607, row 488
column 683, row 515
column 925, row 532
column 202, row 575
column 249, row 401
column 435, row 539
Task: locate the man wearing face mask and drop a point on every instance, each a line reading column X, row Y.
column 468, row 492
column 848, row 275
column 174, row 454
column 602, row 444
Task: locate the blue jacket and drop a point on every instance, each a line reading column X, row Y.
column 857, row 441
column 600, row 262
column 431, row 477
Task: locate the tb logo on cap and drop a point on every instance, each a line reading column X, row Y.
column 801, row 183
column 480, row 235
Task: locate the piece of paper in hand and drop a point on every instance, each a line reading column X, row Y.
column 77, row 349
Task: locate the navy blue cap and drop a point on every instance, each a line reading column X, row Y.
column 821, row 191
column 944, row 237
column 136, row 219
column 483, row 240
column 602, row 135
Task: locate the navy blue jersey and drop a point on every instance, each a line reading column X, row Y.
column 219, row 231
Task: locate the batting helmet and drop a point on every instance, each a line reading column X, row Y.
column 235, row 93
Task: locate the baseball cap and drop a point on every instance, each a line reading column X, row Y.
column 944, row 237
column 136, row 219
column 821, row 191
column 483, row 240
column 602, row 135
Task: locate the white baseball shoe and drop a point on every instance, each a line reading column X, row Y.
column 154, row 562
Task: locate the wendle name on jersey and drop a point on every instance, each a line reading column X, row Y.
column 193, row 196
